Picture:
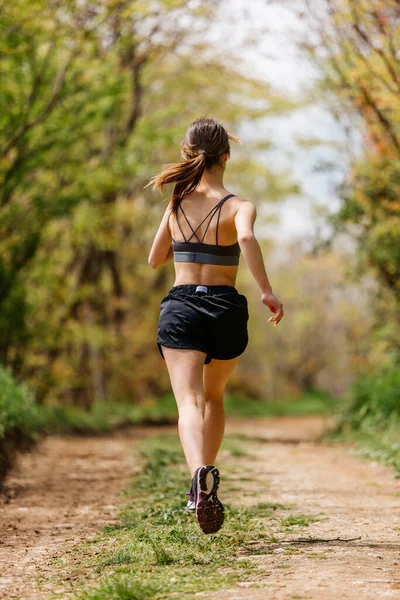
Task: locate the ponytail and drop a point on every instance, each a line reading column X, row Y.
column 205, row 142
column 187, row 175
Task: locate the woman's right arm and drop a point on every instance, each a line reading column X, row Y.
column 161, row 251
column 250, row 248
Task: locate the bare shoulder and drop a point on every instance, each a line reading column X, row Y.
column 243, row 205
column 239, row 201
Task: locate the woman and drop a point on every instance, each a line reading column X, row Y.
column 202, row 329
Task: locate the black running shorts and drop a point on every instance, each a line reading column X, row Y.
column 212, row 319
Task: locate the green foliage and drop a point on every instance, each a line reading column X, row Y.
column 83, row 126
column 19, row 414
column 370, row 415
column 21, row 419
column 355, row 46
column 374, row 398
column 371, row 205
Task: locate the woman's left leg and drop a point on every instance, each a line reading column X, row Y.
column 215, row 378
column 185, row 368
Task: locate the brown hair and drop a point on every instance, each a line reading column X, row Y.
column 205, row 142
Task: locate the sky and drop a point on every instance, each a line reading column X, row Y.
column 274, row 56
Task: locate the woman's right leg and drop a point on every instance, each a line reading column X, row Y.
column 185, row 368
column 216, row 375
column 186, row 371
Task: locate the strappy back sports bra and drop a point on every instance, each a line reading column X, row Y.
column 199, row 252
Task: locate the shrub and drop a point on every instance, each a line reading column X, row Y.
column 18, row 410
column 373, row 400
column 20, row 418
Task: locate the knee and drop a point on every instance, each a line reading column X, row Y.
column 191, row 402
column 214, row 399
column 214, row 394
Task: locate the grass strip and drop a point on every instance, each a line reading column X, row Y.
column 106, row 416
column 310, row 402
column 156, row 549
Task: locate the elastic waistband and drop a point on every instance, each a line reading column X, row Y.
column 204, row 289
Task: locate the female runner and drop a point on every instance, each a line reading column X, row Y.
column 202, row 328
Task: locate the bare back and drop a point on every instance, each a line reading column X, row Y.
column 196, row 207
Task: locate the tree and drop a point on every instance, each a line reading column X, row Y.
column 355, row 45
column 87, row 121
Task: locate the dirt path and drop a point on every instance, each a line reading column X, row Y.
column 55, row 497
column 353, row 497
column 68, row 489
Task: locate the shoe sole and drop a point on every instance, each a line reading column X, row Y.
column 209, row 509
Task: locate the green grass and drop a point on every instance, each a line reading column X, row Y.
column 299, row 520
column 310, row 402
column 18, row 409
column 267, row 509
column 107, row 416
column 156, row 548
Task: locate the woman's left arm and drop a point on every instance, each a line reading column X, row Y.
column 161, row 251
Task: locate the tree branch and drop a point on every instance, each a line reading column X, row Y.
column 381, row 117
column 51, row 104
column 362, row 34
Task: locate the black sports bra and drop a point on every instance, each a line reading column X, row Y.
column 199, row 252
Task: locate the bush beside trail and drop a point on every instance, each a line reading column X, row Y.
column 374, row 401
column 371, row 415
column 23, row 421
column 20, row 419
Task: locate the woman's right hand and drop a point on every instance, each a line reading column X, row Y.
column 274, row 305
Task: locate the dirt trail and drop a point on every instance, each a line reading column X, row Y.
column 69, row 488
column 354, row 497
column 55, row 497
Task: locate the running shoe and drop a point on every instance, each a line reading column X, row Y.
column 209, row 509
column 191, row 505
